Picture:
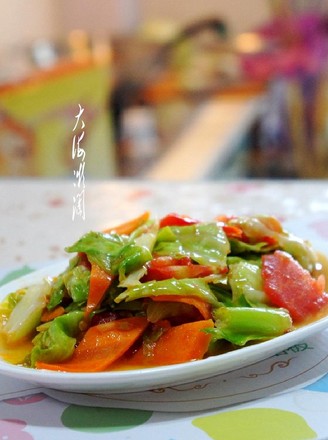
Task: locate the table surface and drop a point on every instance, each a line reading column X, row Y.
column 38, row 218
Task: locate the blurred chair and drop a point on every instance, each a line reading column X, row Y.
column 38, row 116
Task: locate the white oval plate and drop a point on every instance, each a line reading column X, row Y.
column 146, row 379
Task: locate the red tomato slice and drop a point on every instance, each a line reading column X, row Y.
column 287, row 284
column 167, row 260
column 163, row 268
column 233, row 231
column 177, row 220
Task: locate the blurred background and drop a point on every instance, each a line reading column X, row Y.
column 176, row 90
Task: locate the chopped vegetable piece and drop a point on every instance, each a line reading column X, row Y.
column 100, row 280
column 197, row 287
column 27, row 313
column 203, row 307
column 289, row 285
column 246, row 283
column 174, row 312
column 56, row 340
column 101, row 346
column 233, row 231
column 183, row 343
column 299, row 249
column 204, row 243
column 177, row 220
column 130, row 226
column 163, row 268
column 49, row 315
column 77, row 283
column 239, row 325
column 118, row 255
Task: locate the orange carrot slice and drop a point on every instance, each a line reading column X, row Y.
column 100, row 280
column 233, row 231
column 183, row 343
column 49, row 315
column 101, row 346
column 203, row 307
column 131, row 225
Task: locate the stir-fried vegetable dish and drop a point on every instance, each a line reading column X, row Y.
column 155, row 292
